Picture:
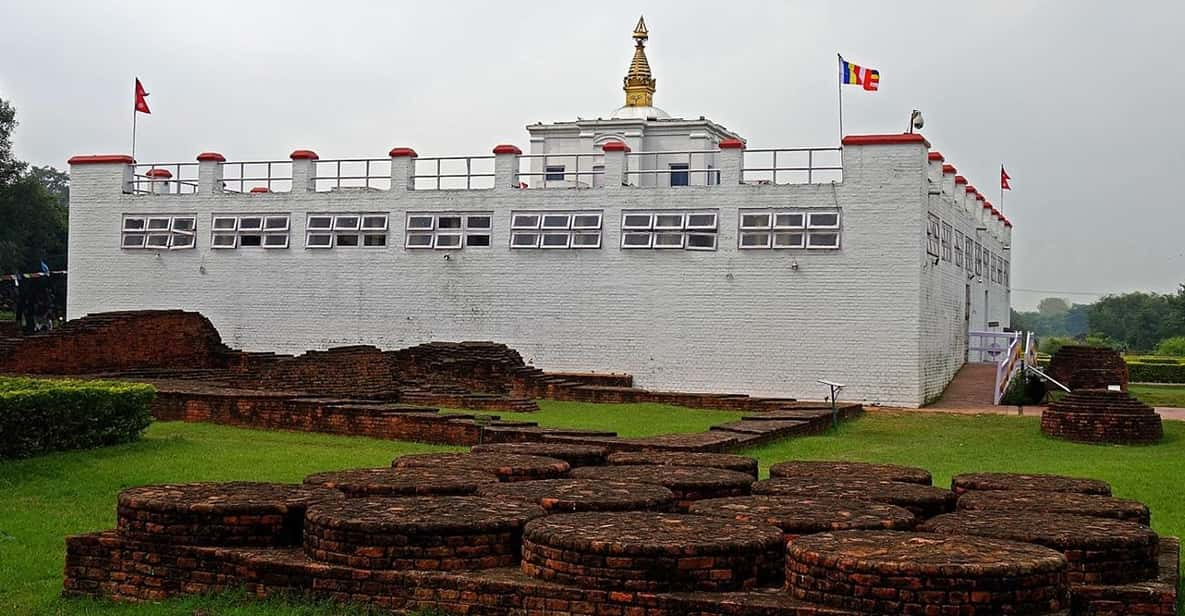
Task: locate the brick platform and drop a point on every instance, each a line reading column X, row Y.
column 218, row 514
column 1074, row 358
column 740, row 464
column 1020, row 481
column 689, row 483
column 1056, row 503
column 1101, row 416
column 886, row 572
column 573, row 495
column 803, row 516
column 652, row 552
column 413, row 481
column 1097, row 550
column 922, row 501
column 1155, row 596
column 442, row 533
column 507, row 466
column 574, row 455
column 845, row 470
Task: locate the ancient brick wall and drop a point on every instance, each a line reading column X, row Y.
column 118, row 341
column 1071, row 359
column 474, row 366
column 355, row 371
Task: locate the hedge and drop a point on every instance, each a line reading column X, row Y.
column 1155, row 373
column 42, row 415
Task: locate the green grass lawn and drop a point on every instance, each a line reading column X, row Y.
column 629, row 420
column 46, row 498
column 1159, row 395
column 7, row 315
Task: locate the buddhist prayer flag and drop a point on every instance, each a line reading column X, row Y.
column 1004, row 177
column 141, row 98
column 856, row 75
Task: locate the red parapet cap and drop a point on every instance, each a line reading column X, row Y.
column 158, row 173
column 102, row 159
column 506, row 148
column 732, row 144
column 402, row 153
column 988, row 206
column 935, row 156
column 979, row 197
column 960, row 179
column 1007, row 223
column 903, row 138
column 615, row 146
column 211, row 157
column 971, row 189
column 304, row 155
column 949, row 169
column 261, row 189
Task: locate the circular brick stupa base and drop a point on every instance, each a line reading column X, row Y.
column 574, row 455
column 416, row 481
column 1020, row 481
column 1068, row 503
column 922, row 501
column 689, row 483
column 726, row 461
column 1097, row 550
column 657, row 552
column 850, row 470
column 1102, row 416
column 418, row 533
column 888, row 572
column 507, row 466
column 804, row 516
column 218, row 514
column 572, row 495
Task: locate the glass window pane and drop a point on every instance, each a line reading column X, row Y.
column 668, row 221
column 276, row 223
column 556, row 221
column 318, row 240
column 158, row 224
column 320, row 222
column 448, row 240
column 701, row 241
column 275, row 240
column 477, row 239
column 183, row 240
column 755, row 221
column 823, row 240
column 158, row 240
column 525, row 221
column 448, row 222
column 828, row 220
column 668, row 240
column 477, row 222
column 554, row 172
column 524, row 240
column 346, row 223
column 586, row 240
column 419, row 222
column 374, row 223
column 789, row 240
column 789, row 220
column 419, row 240
column 347, row 239
column 250, row 223
column 755, row 240
column 224, row 240
column 250, row 240
column 183, row 224
column 133, row 240
column 635, row 240
column 225, row 224
column 375, row 239
column 636, row 221
column 555, row 240
column 133, row 224
column 586, row 221
column 701, row 221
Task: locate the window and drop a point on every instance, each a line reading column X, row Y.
column 669, row 229
column 932, row 234
column 554, row 173
column 158, row 232
column 1005, row 273
column 350, row 230
column 978, row 259
column 959, row 239
column 555, row 229
column 447, row 231
column 678, row 174
column 946, row 249
column 970, row 256
column 810, row 229
column 251, row 230
column 985, row 258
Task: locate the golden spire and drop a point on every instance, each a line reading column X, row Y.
column 639, row 85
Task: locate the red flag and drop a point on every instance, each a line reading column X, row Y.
column 1004, row 177
column 141, row 98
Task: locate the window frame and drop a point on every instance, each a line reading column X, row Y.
column 442, row 237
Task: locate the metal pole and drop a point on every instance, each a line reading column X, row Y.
column 134, row 114
column 834, row 409
column 1001, row 188
column 839, row 89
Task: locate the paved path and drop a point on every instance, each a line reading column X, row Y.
column 1168, row 413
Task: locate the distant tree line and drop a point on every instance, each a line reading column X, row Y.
column 1135, row 322
column 33, row 208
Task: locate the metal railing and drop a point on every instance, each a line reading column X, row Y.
column 352, row 174
column 567, row 170
column 242, row 177
column 642, row 168
column 792, row 166
column 454, row 173
column 1006, row 368
column 149, row 179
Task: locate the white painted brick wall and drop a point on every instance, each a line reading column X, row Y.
column 873, row 315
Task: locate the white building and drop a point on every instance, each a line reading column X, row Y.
column 639, row 243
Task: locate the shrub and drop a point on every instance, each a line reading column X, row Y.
column 1052, row 344
column 1156, row 360
column 42, row 415
column 1140, row 372
column 1025, row 389
column 1174, row 346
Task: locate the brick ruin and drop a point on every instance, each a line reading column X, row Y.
column 508, row 533
column 366, row 391
column 1091, row 412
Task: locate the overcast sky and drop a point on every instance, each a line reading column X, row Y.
column 1084, row 101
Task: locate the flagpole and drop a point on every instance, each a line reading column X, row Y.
column 839, row 89
column 1001, row 189
column 134, row 113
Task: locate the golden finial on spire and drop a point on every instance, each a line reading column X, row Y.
column 639, row 84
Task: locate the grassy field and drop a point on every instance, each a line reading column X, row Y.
column 630, row 420
column 49, row 497
column 7, row 315
column 1160, row 395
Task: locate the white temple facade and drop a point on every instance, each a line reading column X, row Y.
column 636, row 242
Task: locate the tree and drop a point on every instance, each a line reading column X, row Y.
column 1136, row 320
column 10, row 167
column 1052, row 306
column 57, row 183
column 34, row 218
